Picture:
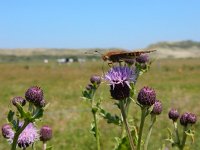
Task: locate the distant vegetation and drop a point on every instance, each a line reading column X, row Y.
column 180, row 44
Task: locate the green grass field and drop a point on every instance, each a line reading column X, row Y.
column 177, row 83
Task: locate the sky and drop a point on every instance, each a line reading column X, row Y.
column 127, row 24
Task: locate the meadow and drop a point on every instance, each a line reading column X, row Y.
column 176, row 81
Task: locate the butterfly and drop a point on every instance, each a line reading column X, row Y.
column 117, row 56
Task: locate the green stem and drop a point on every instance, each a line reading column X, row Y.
column 176, row 132
column 153, row 119
column 184, row 138
column 17, row 133
column 44, row 146
column 143, row 115
column 126, row 124
column 96, row 130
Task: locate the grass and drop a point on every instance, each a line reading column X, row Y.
column 176, row 82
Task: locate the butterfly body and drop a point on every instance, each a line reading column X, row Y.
column 117, row 56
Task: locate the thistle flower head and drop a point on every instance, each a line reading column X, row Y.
column 28, row 136
column 7, row 131
column 173, row 114
column 188, row 118
column 95, row 79
column 34, row 95
column 146, row 96
column 192, row 118
column 45, row 133
column 157, row 108
column 120, row 75
column 119, row 79
column 142, row 58
column 18, row 100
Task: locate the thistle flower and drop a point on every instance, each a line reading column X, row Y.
column 18, row 100
column 7, row 131
column 95, row 79
column 34, row 95
column 119, row 79
column 142, row 58
column 188, row 118
column 192, row 118
column 146, row 96
column 28, row 136
column 157, row 108
column 173, row 114
column 45, row 133
column 184, row 119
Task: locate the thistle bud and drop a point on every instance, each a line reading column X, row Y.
column 7, row 131
column 95, row 79
column 144, row 58
column 146, row 96
column 192, row 118
column 184, row 119
column 18, row 100
column 34, row 95
column 157, row 108
column 45, row 133
column 173, row 114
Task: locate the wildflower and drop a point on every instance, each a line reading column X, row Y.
column 45, row 133
column 18, row 100
column 28, row 136
column 157, row 108
column 142, row 58
column 7, row 131
column 146, row 96
column 95, row 79
column 119, row 79
column 192, row 118
column 188, row 118
column 173, row 114
column 34, row 95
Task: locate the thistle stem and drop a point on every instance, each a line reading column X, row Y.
column 176, row 132
column 96, row 130
column 126, row 124
column 184, row 138
column 44, row 146
column 143, row 115
column 153, row 119
column 16, row 136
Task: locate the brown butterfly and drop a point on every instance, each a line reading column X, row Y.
column 117, row 56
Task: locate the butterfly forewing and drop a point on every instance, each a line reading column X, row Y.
column 116, row 56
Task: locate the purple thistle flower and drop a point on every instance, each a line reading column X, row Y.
column 34, row 95
column 119, row 79
column 173, row 114
column 192, row 118
column 7, row 131
column 157, row 108
column 188, row 118
column 142, row 58
column 184, row 119
column 45, row 133
column 28, row 136
column 146, row 96
column 19, row 100
column 95, row 79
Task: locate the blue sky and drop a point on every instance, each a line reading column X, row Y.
column 96, row 23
